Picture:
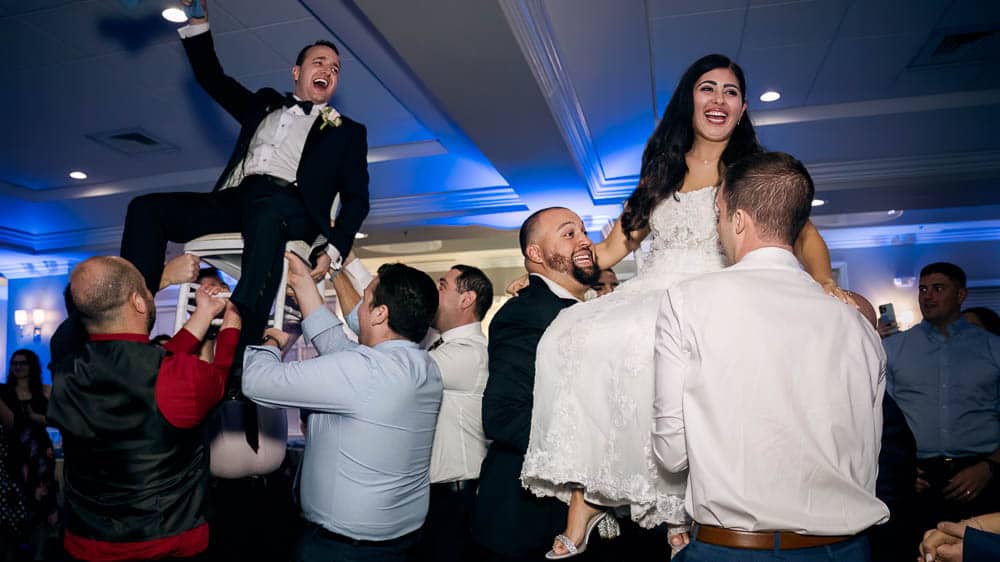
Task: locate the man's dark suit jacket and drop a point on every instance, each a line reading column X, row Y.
column 334, row 159
column 507, row 519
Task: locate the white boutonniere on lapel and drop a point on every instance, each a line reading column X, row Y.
column 330, row 117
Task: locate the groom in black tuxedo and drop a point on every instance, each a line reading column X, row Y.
column 294, row 154
column 508, row 521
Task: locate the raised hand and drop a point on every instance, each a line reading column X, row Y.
column 207, row 303
column 276, row 338
column 182, row 269
column 515, row 286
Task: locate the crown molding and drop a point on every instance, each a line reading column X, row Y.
column 533, row 31
column 834, row 176
column 40, row 267
column 910, row 234
column 201, row 178
column 868, row 108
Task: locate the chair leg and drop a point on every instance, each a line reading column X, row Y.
column 180, row 316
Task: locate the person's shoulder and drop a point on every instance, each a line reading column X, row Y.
column 352, row 125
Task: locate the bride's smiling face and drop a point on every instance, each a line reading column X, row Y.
column 718, row 105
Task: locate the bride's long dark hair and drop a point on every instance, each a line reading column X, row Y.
column 663, row 164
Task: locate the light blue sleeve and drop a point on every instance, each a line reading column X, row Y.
column 339, row 382
column 326, row 333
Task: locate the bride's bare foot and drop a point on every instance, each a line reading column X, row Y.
column 579, row 516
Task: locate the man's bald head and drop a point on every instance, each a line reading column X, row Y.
column 102, row 286
column 529, row 232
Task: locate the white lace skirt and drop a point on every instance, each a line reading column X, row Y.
column 593, row 407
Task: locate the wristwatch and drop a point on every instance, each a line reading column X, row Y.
column 272, row 338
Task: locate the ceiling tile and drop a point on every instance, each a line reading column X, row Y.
column 890, row 17
column 669, row 8
column 679, row 41
column 113, row 27
column 789, row 70
column 243, row 53
column 253, row 13
column 22, row 7
column 792, row 24
column 25, row 46
column 287, row 39
column 971, row 13
column 863, row 68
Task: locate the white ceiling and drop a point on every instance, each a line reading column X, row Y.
column 479, row 112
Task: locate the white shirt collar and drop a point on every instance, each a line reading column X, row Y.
column 556, row 288
column 463, row 331
column 769, row 256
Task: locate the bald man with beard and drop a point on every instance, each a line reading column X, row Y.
column 508, row 521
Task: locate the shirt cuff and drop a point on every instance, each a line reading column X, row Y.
column 334, row 253
column 192, row 29
column 359, row 273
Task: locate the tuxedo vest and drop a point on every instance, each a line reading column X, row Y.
column 130, row 475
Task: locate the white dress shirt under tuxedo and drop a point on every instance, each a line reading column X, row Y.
column 770, row 392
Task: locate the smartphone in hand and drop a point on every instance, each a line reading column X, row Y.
column 887, row 317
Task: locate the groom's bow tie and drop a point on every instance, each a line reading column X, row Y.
column 305, row 105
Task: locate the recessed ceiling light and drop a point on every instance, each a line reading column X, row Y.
column 175, row 15
column 78, row 175
column 360, row 236
column 770, row 96
column 818, row 203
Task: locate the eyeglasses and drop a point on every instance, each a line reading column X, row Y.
column 21, row 363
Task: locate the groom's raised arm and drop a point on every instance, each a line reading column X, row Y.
column 670, row 365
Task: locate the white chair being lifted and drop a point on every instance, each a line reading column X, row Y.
column 224, row 251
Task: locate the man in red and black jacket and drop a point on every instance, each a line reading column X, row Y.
column 136, row 467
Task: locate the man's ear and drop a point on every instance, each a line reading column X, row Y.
column 962, row 293
column 467, row 299
column 296, row 70
column 534, row 253
column 739, row 221
column 138, row 303
column 379, row 315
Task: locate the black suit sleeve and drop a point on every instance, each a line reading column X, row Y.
column 509, row 394
column 354, row 203
column 225, row 90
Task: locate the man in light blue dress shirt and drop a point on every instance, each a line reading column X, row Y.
column 945, row 375
column 374, row 404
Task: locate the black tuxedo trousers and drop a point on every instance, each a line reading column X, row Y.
column 268, row 216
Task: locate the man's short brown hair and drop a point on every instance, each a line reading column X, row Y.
column 774, row 189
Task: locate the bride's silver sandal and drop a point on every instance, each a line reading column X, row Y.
column 606, row 525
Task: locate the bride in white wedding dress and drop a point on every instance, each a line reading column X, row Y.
column 593, row 396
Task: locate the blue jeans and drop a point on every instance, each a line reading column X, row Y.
column 851, row 550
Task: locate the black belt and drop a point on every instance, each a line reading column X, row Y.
column 284, row 184
column 337, row 537
column 457, row 485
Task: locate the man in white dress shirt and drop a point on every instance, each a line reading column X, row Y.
column 768, row 390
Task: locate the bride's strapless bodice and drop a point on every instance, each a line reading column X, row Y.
column 683, row 238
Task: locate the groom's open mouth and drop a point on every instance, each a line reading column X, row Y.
column 321, row 84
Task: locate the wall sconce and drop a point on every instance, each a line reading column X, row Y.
column 37, row 319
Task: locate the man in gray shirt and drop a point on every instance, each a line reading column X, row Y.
column 374, row 404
